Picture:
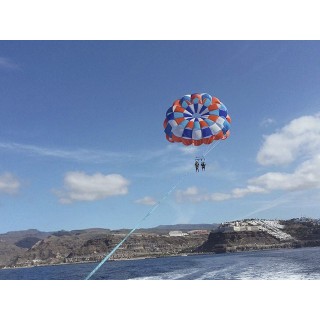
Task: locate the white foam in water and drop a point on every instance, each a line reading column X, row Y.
column 219, row 273
column 174, row 275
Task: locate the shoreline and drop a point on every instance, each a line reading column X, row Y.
column 110, row 260
column 157, row 257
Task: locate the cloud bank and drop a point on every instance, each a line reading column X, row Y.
column 79, row 186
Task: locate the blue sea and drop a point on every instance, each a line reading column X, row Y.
column 303, row 263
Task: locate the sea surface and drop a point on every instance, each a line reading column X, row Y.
column 303, row 263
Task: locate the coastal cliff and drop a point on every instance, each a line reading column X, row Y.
column 262, row 234
column 219, row 242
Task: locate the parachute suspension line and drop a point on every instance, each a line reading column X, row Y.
column 134, row 229
column 211, row 147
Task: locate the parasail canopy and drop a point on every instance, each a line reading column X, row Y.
column 197, row 119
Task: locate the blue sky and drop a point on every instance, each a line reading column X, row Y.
column 82, row 142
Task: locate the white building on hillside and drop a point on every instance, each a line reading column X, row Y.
column 177, row 234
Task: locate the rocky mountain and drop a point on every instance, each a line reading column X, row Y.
column 13, row 237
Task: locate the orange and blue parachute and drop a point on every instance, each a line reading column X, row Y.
column 197, row 119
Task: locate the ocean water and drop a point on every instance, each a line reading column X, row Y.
column 303, row 263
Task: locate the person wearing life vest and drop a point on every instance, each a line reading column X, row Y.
column 196, row 164
column 203, row 165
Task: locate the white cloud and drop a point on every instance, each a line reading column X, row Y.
column 191, row 194
column 188, row 150
column 241, row 192
column 300, row 138
column 9, row 184
column 217, row 196
column 267, row 122
column 148, row 201
column 78, row 186
column 7, row 64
